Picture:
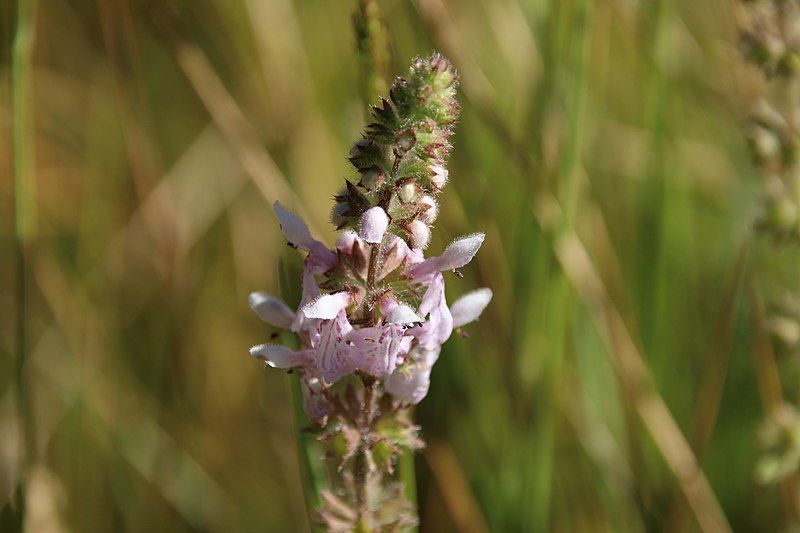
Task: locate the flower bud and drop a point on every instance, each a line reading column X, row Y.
column 429, row 209
column 419, row 234
column 407, row 191
column 438, row 176
column 373, row 225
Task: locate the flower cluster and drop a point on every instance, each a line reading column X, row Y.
column 374, row 304
column 373, row 314
column 342, row 332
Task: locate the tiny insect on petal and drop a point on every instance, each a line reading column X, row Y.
column 293, row 228
column 457, row 254
column 403, row 314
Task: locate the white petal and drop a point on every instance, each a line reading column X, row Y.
column 470, row 306
column 327, row 306
column 272, row 310
column 278, row 356
column 409, row 385
column 461, row 251
column 373, row 225
column 293, row 228
column 403, row 314
column 457, row 254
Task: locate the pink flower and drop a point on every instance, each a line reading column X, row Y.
column 410, row 383
column 376, row 350
column 438, row 326
column 401, row 347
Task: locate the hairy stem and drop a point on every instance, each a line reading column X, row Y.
column 361, row 469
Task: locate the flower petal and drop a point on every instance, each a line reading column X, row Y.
column 433, row 332
column 402, row 314
column 294, row 228
column 470, row 306
column 272, row 310
column 279, row 356
column 345, row 242
column 315, row 403
column 326, row 306
column 333, row 356
column 373, row 225
column 457, row 254
column 376, row 350
column 399, row 253
column 410, row 384
column 297, row 233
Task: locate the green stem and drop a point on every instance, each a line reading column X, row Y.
column 312, row 470
column 24, row 194
column 372, row 44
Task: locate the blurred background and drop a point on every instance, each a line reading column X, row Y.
column 610, row 385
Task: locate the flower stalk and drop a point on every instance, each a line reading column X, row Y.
column 373, row 314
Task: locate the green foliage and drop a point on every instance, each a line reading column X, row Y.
column 153, row 225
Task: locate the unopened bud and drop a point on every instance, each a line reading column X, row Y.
column 419, row 234
column 438, row 176
column 315, row 385
column 430, row 210
column 785, row 329
column 374, row 222
column 407, row 191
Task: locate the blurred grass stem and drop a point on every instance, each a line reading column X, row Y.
column 24, row 170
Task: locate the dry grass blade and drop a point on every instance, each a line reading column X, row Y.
column 635, row 378
column 710, row 395
column 578, row 267
column 231, row 120
column 454, row 488
column 123, row 412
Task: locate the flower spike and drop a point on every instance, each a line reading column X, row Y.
column 373, row 315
